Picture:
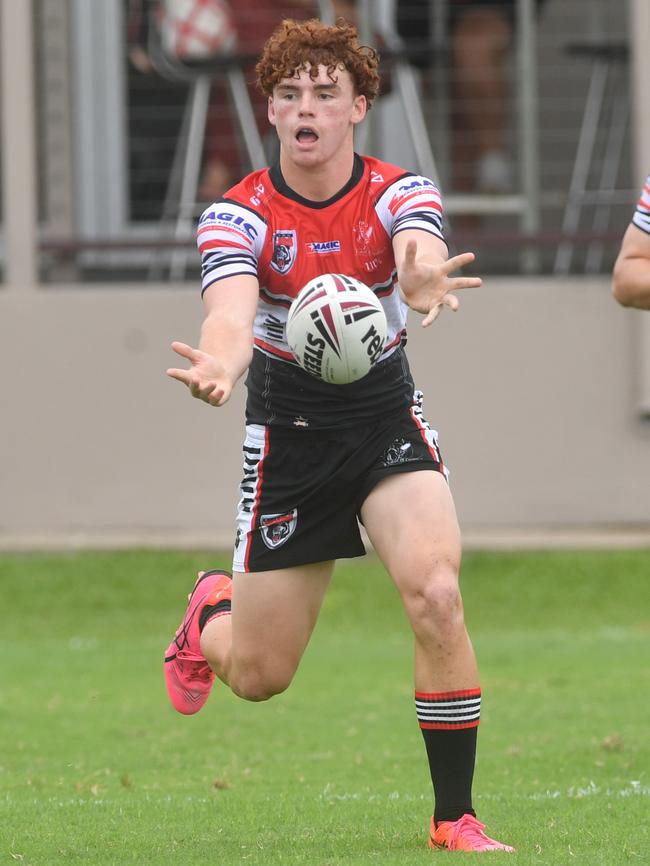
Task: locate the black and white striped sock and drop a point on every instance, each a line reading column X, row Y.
column 449, row 722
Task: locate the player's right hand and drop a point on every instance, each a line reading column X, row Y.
column 206, row 378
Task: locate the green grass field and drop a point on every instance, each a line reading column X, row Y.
column 96, row 768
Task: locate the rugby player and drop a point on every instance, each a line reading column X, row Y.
column 631, row 277
column 319, row 458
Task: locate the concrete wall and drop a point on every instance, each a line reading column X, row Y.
column 533, row 386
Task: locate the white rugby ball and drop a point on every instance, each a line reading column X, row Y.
column 336, row 328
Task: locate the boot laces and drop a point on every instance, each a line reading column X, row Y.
column 195, row 666
column 469, row 828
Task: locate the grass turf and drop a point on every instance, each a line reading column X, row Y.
column 96, row 768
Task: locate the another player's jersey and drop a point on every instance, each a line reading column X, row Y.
column 641, row 218
column 263, row 228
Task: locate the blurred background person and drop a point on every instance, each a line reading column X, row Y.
column 251, row 21
column 158, row 102
column 254, row 20
column 480, row 34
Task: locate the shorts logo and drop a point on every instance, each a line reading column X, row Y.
column 278, row 528
column 399, row 451
column 323, row 247
column 284, row 251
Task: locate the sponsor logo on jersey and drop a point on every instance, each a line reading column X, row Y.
column 284, row 251
column 259, row 194
column 231, row 220
column 375, row 177
column 276, row 529
column 420, row 183
column 323, row 247
column 408, row 191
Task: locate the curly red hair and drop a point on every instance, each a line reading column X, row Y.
column 296, row 45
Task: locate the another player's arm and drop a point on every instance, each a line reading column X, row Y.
column 423, row 273
column 226, row 344
column 631, row 277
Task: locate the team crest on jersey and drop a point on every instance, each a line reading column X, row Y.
column 284, row 251
column 276, row 529
column 364, row 246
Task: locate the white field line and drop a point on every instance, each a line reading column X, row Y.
column 634, row 788
column 575, row 792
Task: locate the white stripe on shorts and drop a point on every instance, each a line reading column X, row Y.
column 429, row 435
column 250, row 489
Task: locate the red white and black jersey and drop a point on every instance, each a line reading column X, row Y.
column 265, row 229
column 641, row 218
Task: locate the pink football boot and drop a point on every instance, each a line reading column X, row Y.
column 466, row 834
column 188, row 676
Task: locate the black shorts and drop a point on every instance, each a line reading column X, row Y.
column 302, row 490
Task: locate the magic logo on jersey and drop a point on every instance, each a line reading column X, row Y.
column 284, row 251
column 321, row 248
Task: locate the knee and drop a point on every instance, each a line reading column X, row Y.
column 435, row 605
column 255, row 681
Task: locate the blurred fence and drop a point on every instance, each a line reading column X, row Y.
column 110, row 126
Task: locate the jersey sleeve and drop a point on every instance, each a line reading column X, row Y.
column 230, row 238
column 411, row 202
column 641, row 218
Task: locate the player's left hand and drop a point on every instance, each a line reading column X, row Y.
column 427, row 286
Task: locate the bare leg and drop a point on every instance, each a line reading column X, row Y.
column 411, row 521
column 256, row 651
column 412, row 524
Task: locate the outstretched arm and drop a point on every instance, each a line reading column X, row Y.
column 226, row 344
column 423, row 273
column 631, row 278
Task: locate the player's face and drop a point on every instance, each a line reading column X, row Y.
column 315, row 118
